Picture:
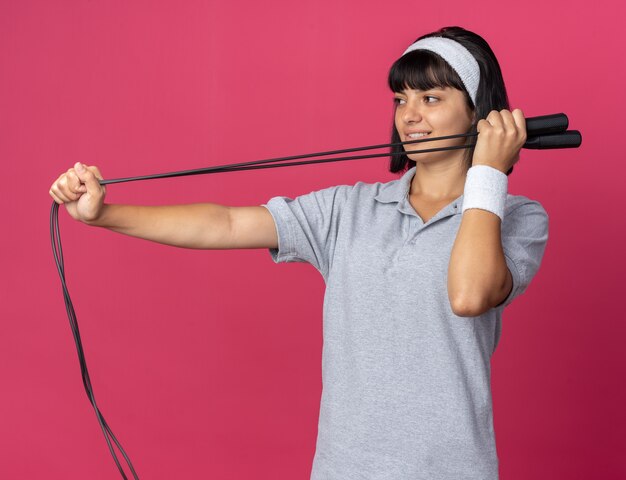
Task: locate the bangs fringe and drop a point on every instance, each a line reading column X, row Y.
column 423, row 70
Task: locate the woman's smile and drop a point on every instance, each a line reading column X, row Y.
column 415, row 135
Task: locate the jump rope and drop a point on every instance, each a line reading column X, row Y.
column 543, row 132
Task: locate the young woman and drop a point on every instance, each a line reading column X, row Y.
column 418, row 270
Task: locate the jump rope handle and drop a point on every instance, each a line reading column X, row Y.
column 569, row 139
column 550, row 131
column 546, row 124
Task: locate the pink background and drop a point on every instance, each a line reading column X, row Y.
column 206, row 364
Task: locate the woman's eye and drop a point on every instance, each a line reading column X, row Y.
column 430, row 96
column 399, row 101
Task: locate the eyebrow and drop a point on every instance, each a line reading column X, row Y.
column 422, row 91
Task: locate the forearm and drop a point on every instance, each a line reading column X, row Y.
column 477, row 272
column 201, row 226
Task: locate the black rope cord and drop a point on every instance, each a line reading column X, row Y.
column 255, row 164
column 57, row 249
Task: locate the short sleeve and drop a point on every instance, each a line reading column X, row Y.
column 307, row 226
column 524, row 238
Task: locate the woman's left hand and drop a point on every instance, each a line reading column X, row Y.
column 501, row 136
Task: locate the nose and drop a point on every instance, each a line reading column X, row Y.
column 411, row 112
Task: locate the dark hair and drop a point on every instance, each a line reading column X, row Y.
column 423, row 69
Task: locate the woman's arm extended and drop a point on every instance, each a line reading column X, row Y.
column 201, row 226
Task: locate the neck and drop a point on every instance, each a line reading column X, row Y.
column 439, row 181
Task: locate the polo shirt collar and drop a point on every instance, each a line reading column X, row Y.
column 398, row 191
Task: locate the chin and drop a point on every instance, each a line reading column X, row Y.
column 422, row 157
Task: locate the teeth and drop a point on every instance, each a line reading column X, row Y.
column 417, row 135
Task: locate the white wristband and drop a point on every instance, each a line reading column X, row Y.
column 485, row 188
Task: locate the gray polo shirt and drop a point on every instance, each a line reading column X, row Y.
column 406, row 382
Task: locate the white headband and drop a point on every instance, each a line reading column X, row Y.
column 457, row 56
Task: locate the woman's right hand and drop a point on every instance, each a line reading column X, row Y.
column 81, row 193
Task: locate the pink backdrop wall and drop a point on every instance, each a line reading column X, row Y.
column 207, row 363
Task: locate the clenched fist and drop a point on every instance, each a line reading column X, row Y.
column 501, row 136
column 81, row 193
